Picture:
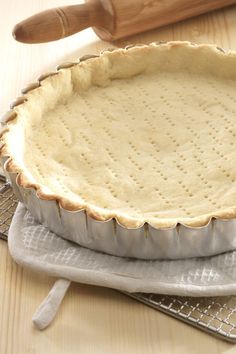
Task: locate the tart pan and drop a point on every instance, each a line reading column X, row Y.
column 112, row 238
column 145, row 242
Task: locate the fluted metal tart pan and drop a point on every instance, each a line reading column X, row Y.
column 145, row 242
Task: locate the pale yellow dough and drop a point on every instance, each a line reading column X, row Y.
column 144, row 135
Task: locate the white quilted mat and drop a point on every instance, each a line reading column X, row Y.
column 34, row 246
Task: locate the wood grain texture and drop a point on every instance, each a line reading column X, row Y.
column 111, row 19
column 134, row 16
column 60, row 22
column 91, row 320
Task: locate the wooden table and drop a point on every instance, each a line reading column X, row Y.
column 91, row 319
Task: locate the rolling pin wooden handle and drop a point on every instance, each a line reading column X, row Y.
column 57, row 23
column 111, row 19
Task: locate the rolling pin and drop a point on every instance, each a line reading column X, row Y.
column 110, row 19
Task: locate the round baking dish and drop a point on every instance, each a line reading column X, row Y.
column 214, row 234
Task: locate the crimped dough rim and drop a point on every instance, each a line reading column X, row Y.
column 97, row 213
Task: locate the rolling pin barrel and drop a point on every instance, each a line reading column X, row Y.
column 110, row 19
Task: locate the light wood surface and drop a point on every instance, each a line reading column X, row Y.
column 91, row 320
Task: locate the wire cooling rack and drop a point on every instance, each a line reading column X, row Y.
column 8, row 205
column 215, row 315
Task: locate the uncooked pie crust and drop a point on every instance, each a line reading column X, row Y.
column 146, row 134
